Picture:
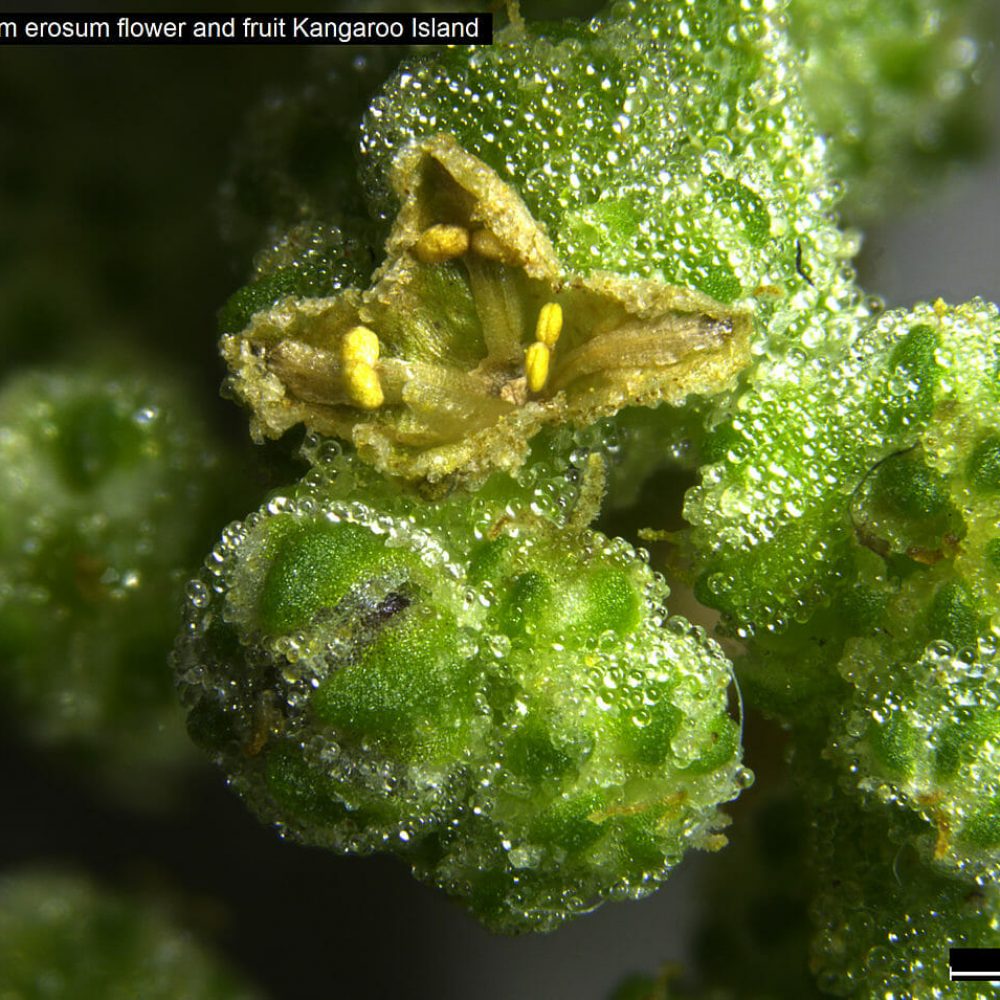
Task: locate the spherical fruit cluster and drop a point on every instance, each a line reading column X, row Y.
column 62, row 936
column 846, row 531
column 106, row 488
column 920, row 731
column 491, row 693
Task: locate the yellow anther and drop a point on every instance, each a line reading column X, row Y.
column 359, row 346
column 940, row 308
column 363, row 386
column 485, row 244
column 359, row 352
column 440, row 243
column 536, row 365
column 549, row 324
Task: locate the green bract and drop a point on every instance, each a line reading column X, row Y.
column 106, row 486
column 831, row 475
column 493, row 694
column 63, row 938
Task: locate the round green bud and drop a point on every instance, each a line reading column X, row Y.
column 63, row 937
column 479, row 685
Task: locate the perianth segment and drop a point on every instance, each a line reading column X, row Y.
column 482, row 337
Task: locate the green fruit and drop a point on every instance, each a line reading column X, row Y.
column 487, row 690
